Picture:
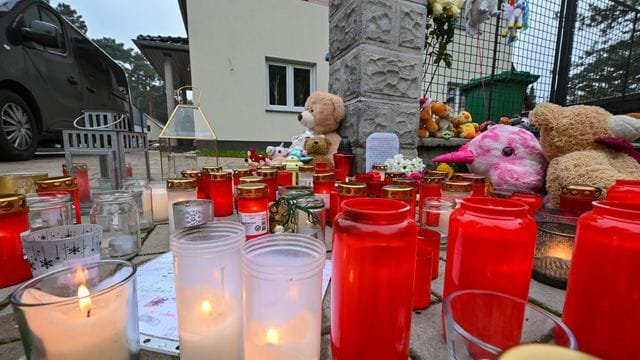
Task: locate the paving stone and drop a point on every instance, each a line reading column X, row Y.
column 150, row 355
column 11, row 351
column 8, row 328
column 437, row 285
column 326, row 313
column 550, row 298
column 325, row 348
column 6, row 310
column 139, row 260
column 426, row 334
column 6, row 292
column 157, row 242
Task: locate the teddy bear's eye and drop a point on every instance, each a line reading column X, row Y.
column 507, row 151
column 311, row 110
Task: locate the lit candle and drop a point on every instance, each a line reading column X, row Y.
column 159, row 202
column 292, row 340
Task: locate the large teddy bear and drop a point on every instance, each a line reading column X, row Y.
column 321, row 116
column 579, row 143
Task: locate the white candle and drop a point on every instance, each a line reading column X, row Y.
column 293, row 340
column 159, row 203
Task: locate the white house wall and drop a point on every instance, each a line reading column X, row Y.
column 229, row 41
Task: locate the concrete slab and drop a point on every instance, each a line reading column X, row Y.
column 8, row 329
column 426, row 335
column 157, row 242
column 139, row 260
column 325, row 348
column 11, row 351
column 6, row 292
column 549, row 298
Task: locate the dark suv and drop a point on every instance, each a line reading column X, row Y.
column 49, row 73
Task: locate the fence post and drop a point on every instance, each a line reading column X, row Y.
column 627, row 67
column 566, row 47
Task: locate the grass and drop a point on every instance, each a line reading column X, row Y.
column 225, row 153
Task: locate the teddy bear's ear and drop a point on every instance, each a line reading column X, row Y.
column 544, row 115
column 326, row 139
column 338, row 107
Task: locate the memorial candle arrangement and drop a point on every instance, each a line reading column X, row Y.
column 253, row 209
column 62, row 183
column 192, row 213
column 270, row 177
column 283, row 297
column 221, row 193
column 208, row 279
column 81, row 173
column 179, row 190
column 14, row 219
column 85, row 312
column 322, row 185
column 201, row 181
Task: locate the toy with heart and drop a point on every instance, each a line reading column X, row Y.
column 516, row 12
column 477, row 12
column 427, row 125
column 277, row 154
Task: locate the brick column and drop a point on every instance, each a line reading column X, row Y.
column 376, row 66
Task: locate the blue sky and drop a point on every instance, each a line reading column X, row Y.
column 123, row 20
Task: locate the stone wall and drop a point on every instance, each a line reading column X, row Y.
column 376, row 67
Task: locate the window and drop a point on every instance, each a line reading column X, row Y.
column 39, row 13
column 288, row 85
column 455, row 99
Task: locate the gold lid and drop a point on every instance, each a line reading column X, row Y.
column 265, row 167
column 280, row 167
column 324, row 177
column 192, row 174
column 443, row 174
column 405, row 181
column 252, row 191
column 22, row 183
column 352, row 189
column 460, row 175
column 306, row 168
column 241, row 172
column 219, row 176
column 379, row 167
column 433, row 179
column 473, row 179
column 75, row 165
column 394, row 175
column 12, row 203
column 456, row 186
column 579, row 190
column 181, row 184
column 212, row 169
column 57, row 183
column 251, row 179
column 269, row 173
column 398, row 192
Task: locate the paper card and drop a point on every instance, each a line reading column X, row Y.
column 380, row 147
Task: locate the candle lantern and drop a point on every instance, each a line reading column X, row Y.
column 270, row 177
column 305, row 175
column 347, row 191
column 380, row 169
column 49, row 209
column 402, row 193
column 532, row 200
column 435, row 216
column 141, row 192
column 192, row 213
column 362, row 279
column 206, row 170
column 311, row 217
column 160, row 209
column 253, row 209
column 81, row 173
column 389, row 176
column 221, row 193
column 456, row 191
column 425, row 258
column 187, row 125
column 20, row 183
column 283, row 297
column 554, row 248
column 578, row 198
column 200, row 181
column 14, row 219
column 333, row 206
column 374, row 188
column 322, row 185
column 209, row 290
column 179, row 190
column 603, row 289
column 624, row 190
column 480, row 229
column 117, row 213
column 66, row 184
column 86, row 312
column 478, row 183
column 557, row 216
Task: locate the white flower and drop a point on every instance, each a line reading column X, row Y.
column 437, row 9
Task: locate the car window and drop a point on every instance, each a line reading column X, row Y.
column 51, row 18
column 31, row 14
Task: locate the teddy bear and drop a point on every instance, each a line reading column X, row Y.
column 443, row 113
column 464, row 126
column 321, row 116
column 277, row 154
column 580, row 143
column 318, row 147
column 427, row 125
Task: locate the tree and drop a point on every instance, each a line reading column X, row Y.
column 72, row 16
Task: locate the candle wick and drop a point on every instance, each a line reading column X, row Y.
column 89, row 312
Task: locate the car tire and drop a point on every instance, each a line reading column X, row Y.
column 18, row 128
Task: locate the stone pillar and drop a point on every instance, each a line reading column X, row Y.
column 376, row 65
column 168, row 85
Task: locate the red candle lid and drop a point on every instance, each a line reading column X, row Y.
column 252, row 191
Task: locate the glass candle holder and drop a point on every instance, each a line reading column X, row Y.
column 240, row 173
column 402, row 193
column 554, row 248
column 624, row 190
column 179, row 190
column 192, row 213
column 63, row 183
column 270, row 177
column 311, row 217
column 20, row 182
column 603, row 280
column 49, row 209
column 305, row 175
column 253, row 209
column 221, row 193
column 438, row 173
column 141, row 192
column 283, row 297
column 431, row 239
column 81, row 173
column 363, row 280
column 490, row 247
column 365, row 178
column 483, row 324
column 181, row 161
column 343, row 162
column 478, row 183
column 88, row 312
column 284, row 178
column 456, row 190
column 532, row 200
column 390, row 175
column 346, row 191
column 380, row 169
column 160, row 209
column 117, row 213
column 430, row 187
column 321, row 167
column 425, row 257
column 206, row 171
column 14, row 219
column 322, row 185
column 435, row 216
column 209, row 290
column 556, row 216
column 578, row 198
column 200, row 181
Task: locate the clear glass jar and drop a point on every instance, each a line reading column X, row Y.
column 117, row 213
column 62, row 183
column 179, row 190
column 456, row 191
column 49, row 209
column 141, row 192
column 435, row 216
column 311, row 217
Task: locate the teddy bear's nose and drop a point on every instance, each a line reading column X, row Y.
column 315, row 142
column 300, row 117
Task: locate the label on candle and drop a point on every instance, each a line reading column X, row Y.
column 326, row 198
column 254, row 223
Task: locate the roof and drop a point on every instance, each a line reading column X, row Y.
column 158, row 49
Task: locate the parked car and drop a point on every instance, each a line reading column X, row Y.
column 49, row 73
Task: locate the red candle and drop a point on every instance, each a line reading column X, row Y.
column 532, row 200
column 578, row 198
column 430, row 187
column 374, row 188
column 364, row 282
column 438, row 173
column 128, row 169
column 284, row 178
column 381, row 169
column 62, row 183
column 375, row 176
column 365, row 178
column 478, row 183
column 14, row 219
column 625, row 190
column 240, row 173
column 270, row 177
column 81, row 173
column 206, row 170
column 346, row 191
column 402, row 193
column 253, row 206
column 221, row 193
column 333, row 208
column 340, row 175
column 456, row 191
column 425, row 257
column 408, row 182
column 200, row 180
column 389, row 176
column 603, row 292
column 431, row 239
column 491, row 244
column 322, row 167
column 322, row 185
column 343, row 162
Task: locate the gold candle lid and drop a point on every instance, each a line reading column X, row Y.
column 398, row 192
column 22, row 183
column 584, row 191
column 12, row 203
column 252, row 191
column 306, row 168
column 76, row 165
column 251, row 179
column 379, row 167
column 219, row 176
column 460, row 175
column 352, row 189
column 265, row 167
column 211, row 169
column 472, row 178
column 57, row 183
column 394, row 175
column 433, row 179
column 456, row 186
column 405, row 181
column 439, row 173
column 269, row 173
column 324, row 177
column 194, row 174
column 181, row 184
column 240, row 172
column 280, row 167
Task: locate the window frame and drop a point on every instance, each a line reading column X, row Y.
column 290, row 65
column 61, row 30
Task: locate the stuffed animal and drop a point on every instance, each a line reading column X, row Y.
column 318, row 147
column 277, row 154
column 322, row 115
column 516, row 13
column 443, row 114
column 427, row 125
column 509, row 157
column 574, row 140
column 464, row 125
column 477, row 12
column 254, row 159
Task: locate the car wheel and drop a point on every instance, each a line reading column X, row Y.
column 18, row 129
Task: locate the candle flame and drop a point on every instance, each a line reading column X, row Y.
column 84, row 300
column 560, row 251
column 273, row 336
column 205, row 307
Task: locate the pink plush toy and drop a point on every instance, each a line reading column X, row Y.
column 508, row 156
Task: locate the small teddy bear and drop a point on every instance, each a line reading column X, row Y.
column 427, row 125
column 443, row 114
column 318, row 147
column 322, row 115
column 277, row 153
